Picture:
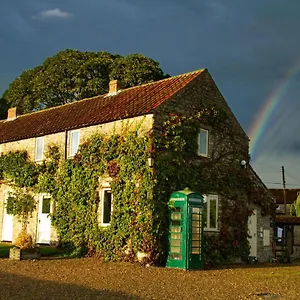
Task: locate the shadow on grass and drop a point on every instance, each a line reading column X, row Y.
column 46, row 251
column 21, row 287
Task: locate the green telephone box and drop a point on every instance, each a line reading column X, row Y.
column 185, row 230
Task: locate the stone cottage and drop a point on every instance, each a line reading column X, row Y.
column 186, row 135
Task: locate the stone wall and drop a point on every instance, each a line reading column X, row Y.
column 226, row 148
column 264, row 236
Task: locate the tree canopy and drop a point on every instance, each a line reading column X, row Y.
column 72, row 75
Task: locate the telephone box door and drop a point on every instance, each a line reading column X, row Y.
column 195, row 238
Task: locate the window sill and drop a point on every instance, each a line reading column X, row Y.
column 39, row 161
column 211, row 230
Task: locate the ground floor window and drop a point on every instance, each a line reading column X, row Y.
column 210, row 212
column 106, row 206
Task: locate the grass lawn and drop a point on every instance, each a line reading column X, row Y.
column 4, row 250
column 45, row 250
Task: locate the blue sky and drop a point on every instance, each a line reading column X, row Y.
column 247, row 46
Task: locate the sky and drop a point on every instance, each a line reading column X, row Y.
column 251, row 48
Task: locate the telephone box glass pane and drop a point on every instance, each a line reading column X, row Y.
column 196, row 231
column 176, row 236
column 175, row 233
column 175, row 243
column 175, row 249
column 175, row 229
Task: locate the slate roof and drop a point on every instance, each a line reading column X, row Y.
column 291, row 195
column 131, row 102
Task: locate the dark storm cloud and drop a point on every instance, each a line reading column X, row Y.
column 246, row 45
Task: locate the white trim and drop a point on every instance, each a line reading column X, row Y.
column 206, row 148
column 4, row 214
column 207, row 199
column 36, row 158
column 41, row 197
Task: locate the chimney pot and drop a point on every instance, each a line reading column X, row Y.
column 115, row 86
column 11, row 113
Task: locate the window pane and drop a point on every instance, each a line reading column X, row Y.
column 205, row 214
column 74, row 142
column 46, row 205
column 203, row 142
column 107, row 202
column 175, row 229
column 175, row 243
column 213, row 213
column 39, row 148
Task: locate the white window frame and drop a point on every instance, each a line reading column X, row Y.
column 103, row 190
column 72, row 151
column 39, row 156
column 199, row 142
column 207, row 199
column 41, row 199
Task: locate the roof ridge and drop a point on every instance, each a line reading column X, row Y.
column 164, row 79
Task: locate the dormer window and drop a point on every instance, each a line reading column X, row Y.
column 203, row 142
column 39, row 148
column 74, row 142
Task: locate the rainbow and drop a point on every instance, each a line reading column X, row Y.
column 260, row 123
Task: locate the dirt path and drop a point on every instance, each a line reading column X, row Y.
column 92, row 279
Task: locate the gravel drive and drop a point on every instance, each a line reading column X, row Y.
column 90, row 278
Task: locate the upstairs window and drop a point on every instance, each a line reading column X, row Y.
column 74, row 142
column 203, row 142
column 106, row 207
column 39, row 148
column 210, row 212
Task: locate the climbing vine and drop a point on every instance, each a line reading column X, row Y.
column 141, row 190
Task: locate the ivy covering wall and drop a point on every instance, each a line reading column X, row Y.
column 141, row 191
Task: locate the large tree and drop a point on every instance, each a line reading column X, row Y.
column 71, row 75
column 3, row 108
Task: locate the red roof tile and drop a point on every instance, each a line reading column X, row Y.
column 101, row 109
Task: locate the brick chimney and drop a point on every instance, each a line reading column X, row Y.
column 115, row 86
column 12, row 113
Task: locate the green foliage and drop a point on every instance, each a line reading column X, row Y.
column 72, row 75
column 17, row 168
column 295, row 207
column 21, row 203
column 3, row 108
column 140, row 192
column 75, row 193
column 136, row 69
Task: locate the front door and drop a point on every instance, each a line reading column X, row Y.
column 195, row 238
column 44, row 220
column 7, row 225
column 252, row 230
